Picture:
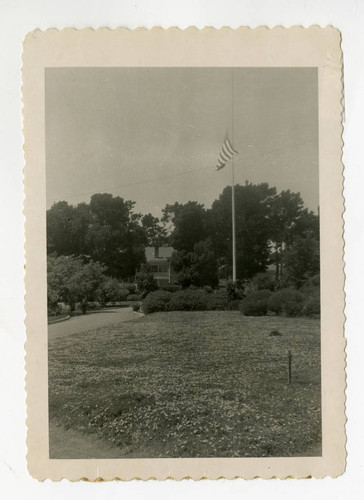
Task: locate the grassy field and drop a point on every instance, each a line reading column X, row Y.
column 201, row 384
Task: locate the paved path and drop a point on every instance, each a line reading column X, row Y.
column 90, row 321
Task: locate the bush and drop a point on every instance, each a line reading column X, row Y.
column 312, row 306
column 312, row 282
column 264, row 281
column 123, row 294
column 233, row 305
column 156, row 301
column 286, row 302
column 131, row 287
column 188, row 300
column 133, row 296
column 256, row 303
column 234, row 291
column 60, row 309
column 145, row 281
column 170, row 288
column 136, row 307
column 217, row 302
column 92, row 306
column 111, row 290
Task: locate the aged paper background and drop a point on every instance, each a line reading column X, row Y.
column 287, row 48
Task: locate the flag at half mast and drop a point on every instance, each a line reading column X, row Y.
column 226, row 153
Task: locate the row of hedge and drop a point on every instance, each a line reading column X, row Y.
column 187, row 300
column 286, row 302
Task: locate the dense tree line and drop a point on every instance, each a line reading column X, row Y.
column 271, row 229
column 107, row 230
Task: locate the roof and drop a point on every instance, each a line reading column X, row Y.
column 163, row 253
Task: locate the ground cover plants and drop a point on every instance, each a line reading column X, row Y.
column 191, row 384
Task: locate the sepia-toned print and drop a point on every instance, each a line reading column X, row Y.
column 184, row 253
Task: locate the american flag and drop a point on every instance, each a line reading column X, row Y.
column 226, row 153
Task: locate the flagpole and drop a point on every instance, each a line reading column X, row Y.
column 232, row 178
column 233, row 220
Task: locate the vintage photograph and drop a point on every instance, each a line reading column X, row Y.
column 183, row 262
column 184, row 279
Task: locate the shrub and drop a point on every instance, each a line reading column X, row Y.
column 123, row 294
column 170, row 288
column 286, row 302
column 145, row 281
column 136, row 307
column 156, row 301
column 233, row 305
column 312, row 306
column 70, row 279
column 256, row 303
column 111, row 290
column 188, row 300
column 314, row 281
column 264, row 281
column 217, row 302
column 133, row 296
column 92, row 306
column 131, row 287
column 234, row 291
column 60, row 309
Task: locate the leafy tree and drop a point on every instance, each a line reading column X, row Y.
column 66, row 228
column 70, row 280
column 285, row 210
column 301, row 261
column 115, row 236
column 169, row 213
column 267, row 225
column 156, row 232
column 197, row 268
column 106, row 229
column 289, row 220
column 252, row 228
column 189, row 224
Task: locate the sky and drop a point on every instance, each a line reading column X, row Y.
column 153, row 135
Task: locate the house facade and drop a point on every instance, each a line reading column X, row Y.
column 159, row 261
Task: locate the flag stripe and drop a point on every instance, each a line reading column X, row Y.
column 226, row 153
column 220, row 164
column 230, row 148
column 224, row 156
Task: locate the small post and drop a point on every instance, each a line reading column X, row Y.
column 289, row 367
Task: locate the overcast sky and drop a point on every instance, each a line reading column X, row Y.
column 153, row 135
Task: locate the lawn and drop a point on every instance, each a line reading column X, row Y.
column 192, row 384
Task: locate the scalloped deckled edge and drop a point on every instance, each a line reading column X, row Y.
column 113, row 32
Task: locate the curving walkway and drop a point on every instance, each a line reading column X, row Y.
column 90, row 321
